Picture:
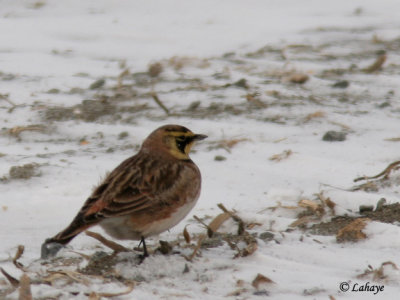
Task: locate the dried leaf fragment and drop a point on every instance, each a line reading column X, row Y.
column 260, row 279
column 315, row 207
column 237, row 292
column 326, row 202
column 251, row 245
column 25, row 288
column 94, row 296
column 18, row 254
column 186, row 235
column 314, row 115
column 228, row 144
column 281, row 156
column 250, row 249
column 216, row 223
column 353, row 231
column 298, row 78
column 301, row 221
column 236, row 218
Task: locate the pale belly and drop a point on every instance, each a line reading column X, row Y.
column 124, row 229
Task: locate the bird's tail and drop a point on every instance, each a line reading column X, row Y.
column 52, row 245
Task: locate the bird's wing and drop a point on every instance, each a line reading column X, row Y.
column 136, row 185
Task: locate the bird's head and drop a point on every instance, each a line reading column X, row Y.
column 173, row 139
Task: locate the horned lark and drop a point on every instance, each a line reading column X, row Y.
column 145, row 195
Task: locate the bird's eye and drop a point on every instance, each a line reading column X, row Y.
column 181, row 143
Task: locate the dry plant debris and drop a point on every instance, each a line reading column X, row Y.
column 216, row 223
column 353, row 231
column 227, row 144
column 261, row 279
column 186, row 235
column 385, row 173
column 17, row 130
column 200, row 240
column 298, row 78
column 18, row 254
column 395, row 139
column 106, row 242
column 155, row 69
column 25, row 171
column 159, row 103
column 377, row 274
column 377, row 65
column 374, row 183
column 281, row 156
column 243, row 243
column 313, row 210
column 13, row 281
column 98, row 296
column 25, row 288
column 315, row 115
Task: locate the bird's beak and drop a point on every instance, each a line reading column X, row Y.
column 199, row 137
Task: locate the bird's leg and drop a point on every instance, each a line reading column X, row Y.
column 145, row 253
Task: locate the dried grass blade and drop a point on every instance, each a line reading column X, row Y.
column 14, row 282
column 130, row 286
column 110, row 244
column 384, row 173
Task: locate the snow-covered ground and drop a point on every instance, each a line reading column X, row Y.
column 52, row 51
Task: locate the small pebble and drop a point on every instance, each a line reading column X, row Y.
column 53, row 91
column 365, row 208
column 266, row 236
column 123, row 135
column 261, row 293
column 334, row 136
column 97, row 84
column 342, row 84
column 219, row 158
column 242, row 83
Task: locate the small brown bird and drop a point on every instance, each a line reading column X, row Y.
column 145, row 195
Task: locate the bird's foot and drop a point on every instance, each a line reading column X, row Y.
column 50, row 250
column 141, row 258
